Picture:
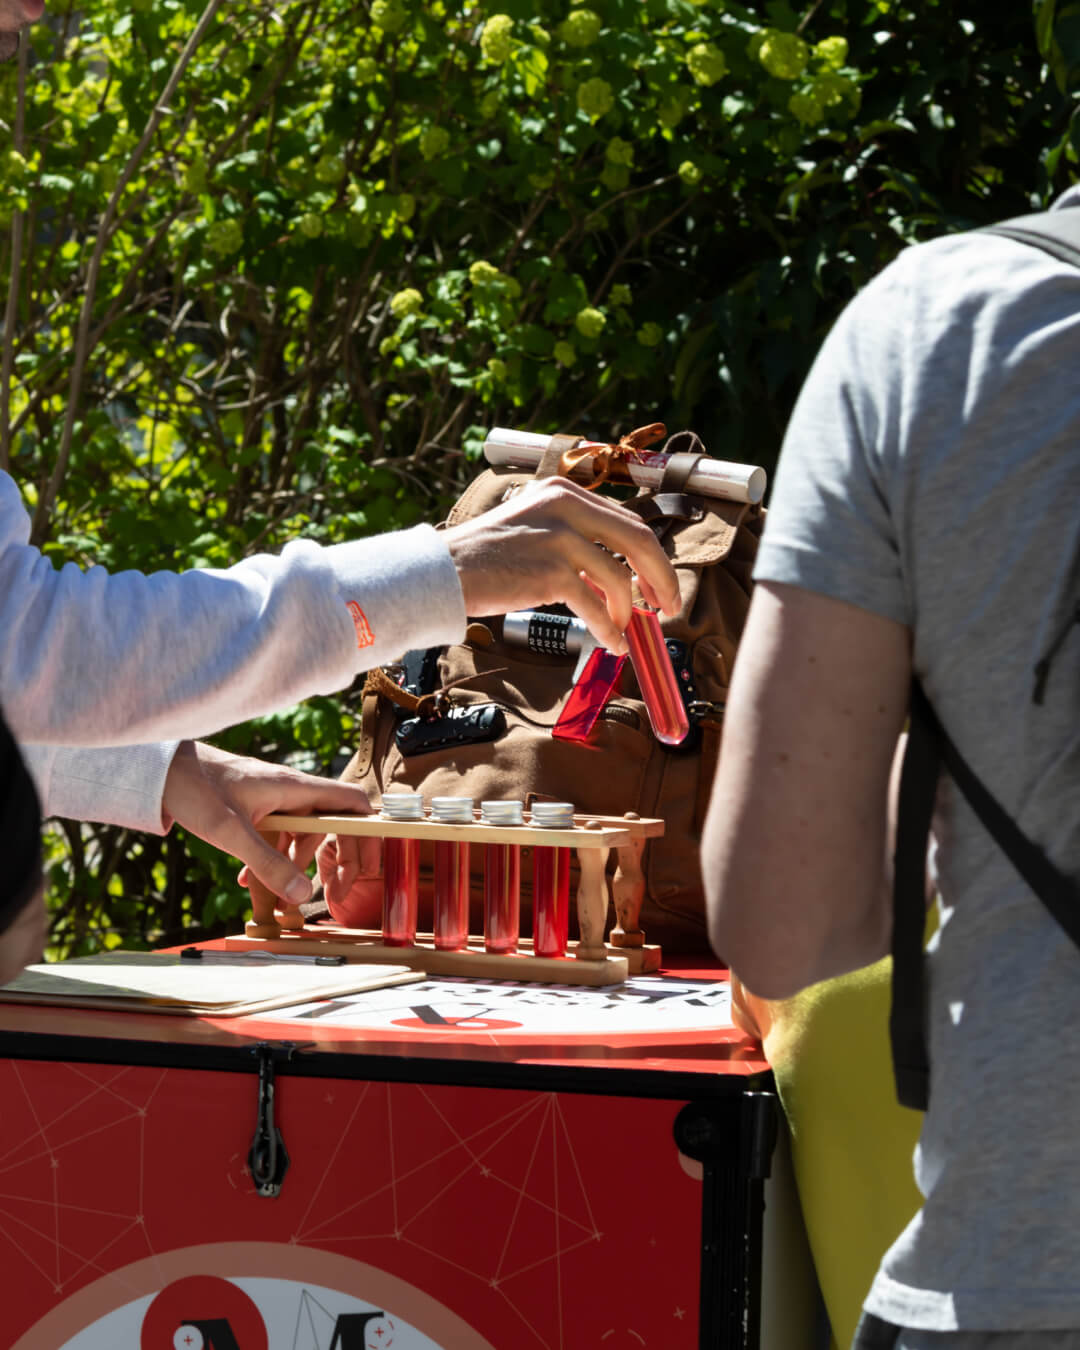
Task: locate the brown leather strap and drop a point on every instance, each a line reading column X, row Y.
column 365, row 749
column 677, row 471
column 550, row 464
column 668, row 506
column 378, row 682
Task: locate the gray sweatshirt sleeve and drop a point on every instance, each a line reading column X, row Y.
column 93, row 659
column 122, row 785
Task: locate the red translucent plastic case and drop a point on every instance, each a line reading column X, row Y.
column 594, row 686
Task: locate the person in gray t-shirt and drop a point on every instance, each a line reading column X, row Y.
column 924, row 520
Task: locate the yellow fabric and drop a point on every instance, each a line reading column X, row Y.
column 851, row 1142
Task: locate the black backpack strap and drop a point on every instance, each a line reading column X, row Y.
column 928, row 747
column 1055, row 232
column 907, row 1015
column 20, row 819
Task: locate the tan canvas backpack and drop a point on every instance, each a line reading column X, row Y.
column 489, row 734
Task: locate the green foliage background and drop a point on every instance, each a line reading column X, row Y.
column 273, row 269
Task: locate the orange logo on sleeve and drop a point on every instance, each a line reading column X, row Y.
column 364, row 636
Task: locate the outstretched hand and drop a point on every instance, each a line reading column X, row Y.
column 222, row 798
column 554, row 543
column 350, row 870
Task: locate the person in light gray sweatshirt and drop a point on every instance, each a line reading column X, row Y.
column 107, row 680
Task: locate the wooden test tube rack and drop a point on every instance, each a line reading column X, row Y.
column 591, row 961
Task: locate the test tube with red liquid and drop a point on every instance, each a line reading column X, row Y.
column 401, row 871
column 656, row 677
column 451, row 900
column 502, row 880
column 551, row 881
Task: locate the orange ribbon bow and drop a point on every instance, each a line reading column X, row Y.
column 610, row 462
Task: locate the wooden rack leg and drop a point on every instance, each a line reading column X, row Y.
column 628, row 893
column 265, row 922
column 592, row 903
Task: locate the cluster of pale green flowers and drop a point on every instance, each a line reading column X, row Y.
column 496, row 39
column 389, row 15
column 784, row 55
column 706, row 63
column 406, row 302
column 595, row 98
column 225, row 237
column 787, row 56
column 485, row 275
column 329, row 169
column 590, row 322
column 580, row 28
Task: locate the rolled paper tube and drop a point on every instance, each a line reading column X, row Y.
column 656, row 677
column 711, row 477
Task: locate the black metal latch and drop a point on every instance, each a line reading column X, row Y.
column 267, row 1159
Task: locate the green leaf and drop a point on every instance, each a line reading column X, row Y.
column 532, row 66
column 1044, row 25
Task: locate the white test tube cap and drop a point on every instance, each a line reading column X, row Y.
column 502, row 813
column 452, row 810
column 553, row 815
column 402, row 806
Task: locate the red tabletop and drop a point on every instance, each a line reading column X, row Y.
column 673, row 1023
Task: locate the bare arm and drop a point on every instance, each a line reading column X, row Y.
column 794, row 849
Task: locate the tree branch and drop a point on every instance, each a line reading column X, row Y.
column 11, row 309
column 82, row 344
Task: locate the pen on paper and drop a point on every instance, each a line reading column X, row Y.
column 247, row 958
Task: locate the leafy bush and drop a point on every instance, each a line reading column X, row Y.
column 279, row 266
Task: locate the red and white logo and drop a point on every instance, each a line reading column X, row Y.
column 364, row 636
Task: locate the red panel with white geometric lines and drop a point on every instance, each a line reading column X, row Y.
column 412, row 1217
